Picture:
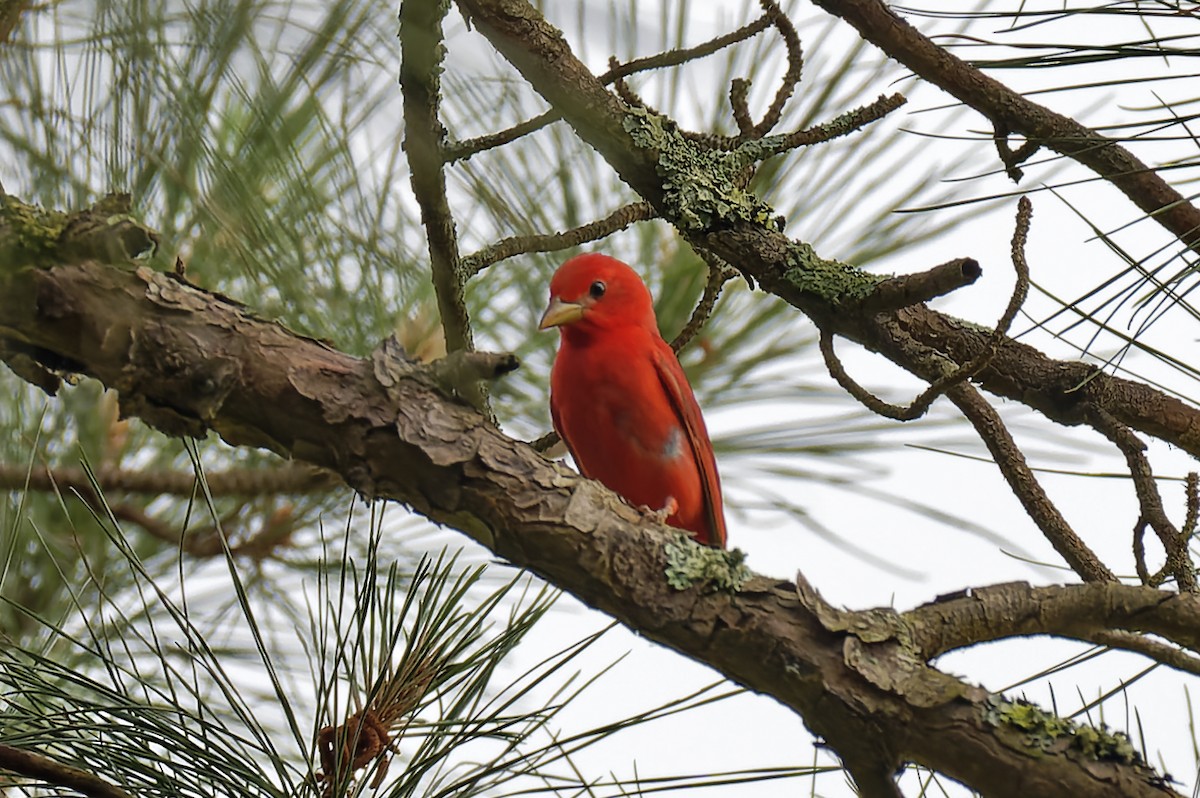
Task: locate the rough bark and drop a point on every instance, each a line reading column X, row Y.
column 188, row 361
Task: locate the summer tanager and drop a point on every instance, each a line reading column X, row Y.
column 620, row 400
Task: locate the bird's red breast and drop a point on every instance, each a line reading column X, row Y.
column 620, row 400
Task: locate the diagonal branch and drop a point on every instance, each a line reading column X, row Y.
column 422, row 51
column 1010, row 111
column 187, row 361
column 50, row 771
column 1011, row 462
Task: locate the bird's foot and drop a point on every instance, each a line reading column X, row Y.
column 663, row 513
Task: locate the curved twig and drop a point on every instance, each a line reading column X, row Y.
column 719, row 273
column 552, row 242
column 1175, row 544
column 457, row 151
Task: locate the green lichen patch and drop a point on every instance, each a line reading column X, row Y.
column 27, row 232
column 103, row 232
column 1046, row 732
column 702, row 195
column 700, row 185
column 689, row 564
column 831, row 280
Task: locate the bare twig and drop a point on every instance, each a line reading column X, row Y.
column 50, row 771
column 719, row 273
column 905, row 290
column 421, row 48
column 1175, row 544
column 1024, row 484
column 739, row 91
column 210, row 540
column 465, row 149
column 1139, row 554
column 940, row 276
column 791, row 77
column 842, row 125
column 505, row 248
column 1013, row 158
column 626, row 93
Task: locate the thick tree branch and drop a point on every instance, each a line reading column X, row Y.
column 1079, row 612
column 187, row 361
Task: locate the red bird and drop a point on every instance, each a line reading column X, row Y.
column 620, row 400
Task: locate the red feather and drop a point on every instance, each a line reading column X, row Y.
column 621, row 402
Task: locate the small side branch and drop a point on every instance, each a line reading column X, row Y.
column 47, row 770
column 906, row 290
column 1024, row 484
column 790, row 79
column 465, row 149
column 552, row 242
column 1012, row 159
column 421, row 50
column 842, row 125
column 1092, row 613
column 1175, row 543
column 719, row 273
column 241, row 482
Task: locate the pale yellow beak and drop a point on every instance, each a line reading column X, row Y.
column 559, row 313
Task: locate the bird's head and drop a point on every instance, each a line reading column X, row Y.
column 594, row 292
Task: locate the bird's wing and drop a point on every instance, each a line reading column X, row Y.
column 679, row 392
column 559, row 429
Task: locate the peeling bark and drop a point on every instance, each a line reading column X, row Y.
column 187, row 361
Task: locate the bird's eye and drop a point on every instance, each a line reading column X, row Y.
column 597, row 289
